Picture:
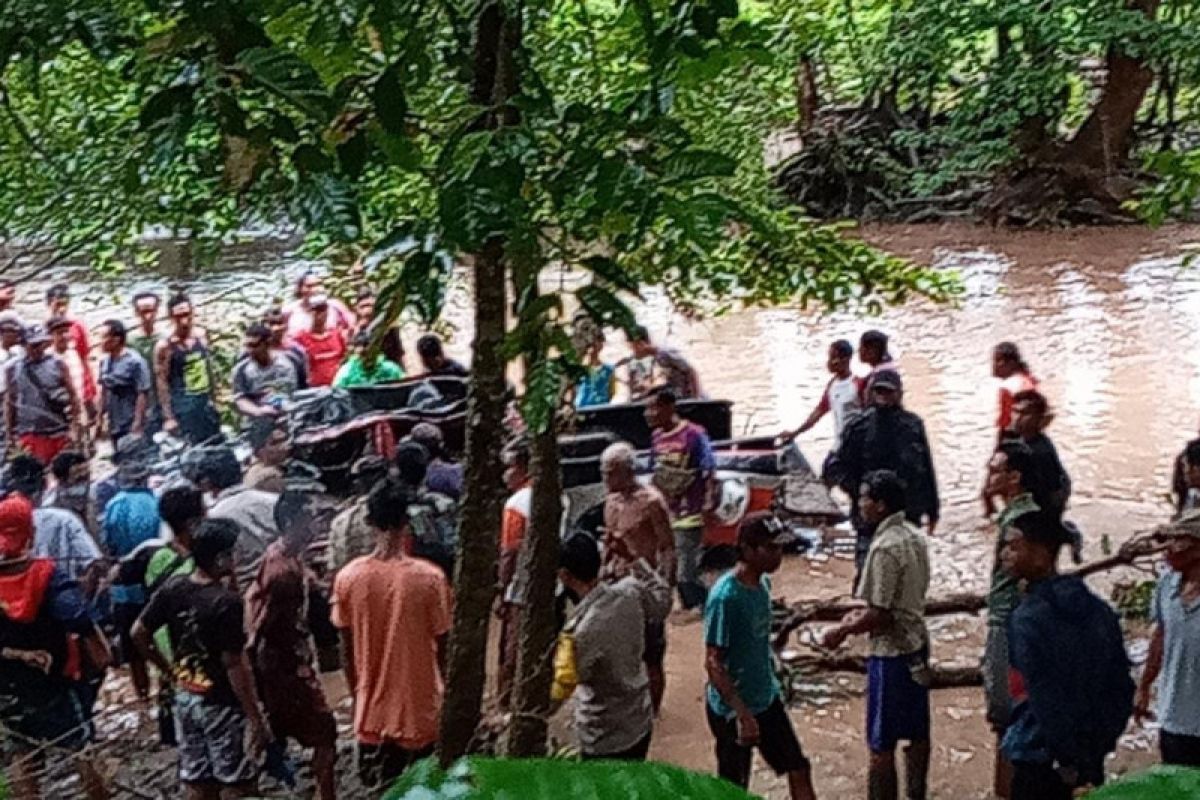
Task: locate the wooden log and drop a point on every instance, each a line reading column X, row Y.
column 943, row 676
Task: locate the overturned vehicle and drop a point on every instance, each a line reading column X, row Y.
column 333, row 429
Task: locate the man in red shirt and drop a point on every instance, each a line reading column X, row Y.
column 58, row 300
column 324, row 346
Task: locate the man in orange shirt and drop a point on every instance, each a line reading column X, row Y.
column 394, row 613
column 512, row 533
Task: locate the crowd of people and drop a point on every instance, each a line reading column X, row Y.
column 227, row 589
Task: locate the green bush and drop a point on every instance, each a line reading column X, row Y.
column 1158, row 783
column 553, row 779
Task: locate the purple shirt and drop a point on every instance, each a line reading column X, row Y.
column 686, row 447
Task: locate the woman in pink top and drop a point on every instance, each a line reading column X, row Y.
column 299, row 311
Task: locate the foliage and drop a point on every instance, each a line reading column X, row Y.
column 1157, row 783
column 535, row 779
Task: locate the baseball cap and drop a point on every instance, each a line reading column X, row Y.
column 761, row 528
column 887, row 379
column 16, row 526
column 36, row 334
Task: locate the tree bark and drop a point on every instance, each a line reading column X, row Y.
column 808, row 99
column 479, row 523
column 538, row 630
column 1104, row 140
column 483, row 503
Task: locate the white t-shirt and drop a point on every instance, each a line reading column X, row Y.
column 842, row 395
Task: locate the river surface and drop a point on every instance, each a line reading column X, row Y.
column 1108, row 319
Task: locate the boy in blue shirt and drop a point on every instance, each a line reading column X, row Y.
column 744, row 705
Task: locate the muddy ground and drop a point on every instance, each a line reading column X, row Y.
column 828, row 715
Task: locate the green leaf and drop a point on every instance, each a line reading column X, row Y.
column 543, row 393
column 327, row 203
column 691, row 165
column 610, row 271
column 606, row 308
column 167, row 105
column 387, row 96
column 553, row 779
column 1158, row 783
column 289, row 78
column 352, row 154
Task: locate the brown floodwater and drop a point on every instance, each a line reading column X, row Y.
column 1108, row 319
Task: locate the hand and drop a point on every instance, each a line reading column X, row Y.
column 747, row 729
column 171, row 425
column 989, row 505
column 833, row 638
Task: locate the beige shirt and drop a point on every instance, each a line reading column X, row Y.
column 895, row 578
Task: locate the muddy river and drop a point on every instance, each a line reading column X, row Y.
column 1108, row 319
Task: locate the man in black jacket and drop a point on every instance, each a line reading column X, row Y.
column 886, row 436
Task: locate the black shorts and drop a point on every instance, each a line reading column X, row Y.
column 124, row 615
column 777, row 743
column 1179, row 750
column 656, row 644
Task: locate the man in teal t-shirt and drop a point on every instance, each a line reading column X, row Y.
column 744, row 706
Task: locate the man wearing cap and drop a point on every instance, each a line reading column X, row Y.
column 349, row 532
column 443, row 476
column 743, row 701
column 11, row 334
column 886, row 436
column 124, row 386
column 48, row 637
column 895, row 579
column 58, row 303
column 43, row 412
column 1175, row 648
column 268, row 439
column 324, row 345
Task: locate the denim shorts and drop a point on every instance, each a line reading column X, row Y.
column 212, row 742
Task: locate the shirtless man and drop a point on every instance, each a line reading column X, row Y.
column 637, row 526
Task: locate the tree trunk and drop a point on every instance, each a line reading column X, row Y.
column 483, row 503
column 538, row 630
column 1106, row 136
column 479, row 527
column 808, row 99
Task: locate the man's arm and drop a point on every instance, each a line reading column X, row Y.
column 821, row 409
column 162, row 363
column 10, row 404
column 241, row 680
column 1153, row 668
column 718, row 676
column 865, row 620
column 143, row 639
column 74, row 402
column 932, row 504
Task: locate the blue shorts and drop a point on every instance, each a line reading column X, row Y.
column 897, row 706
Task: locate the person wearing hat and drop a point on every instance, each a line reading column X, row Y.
column 349, row 532
column 324, row 345
column 1175, row 646
column 895, row 580
column 52, row 648
column 78, row 367
column 11, row 335
column 131, row 520
column 885, row 436
column 58, row 304
column 42, row 410
column 443, row 476
column 744, row 703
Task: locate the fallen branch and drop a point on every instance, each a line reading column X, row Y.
column 1142, row 546
column 943, row 676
